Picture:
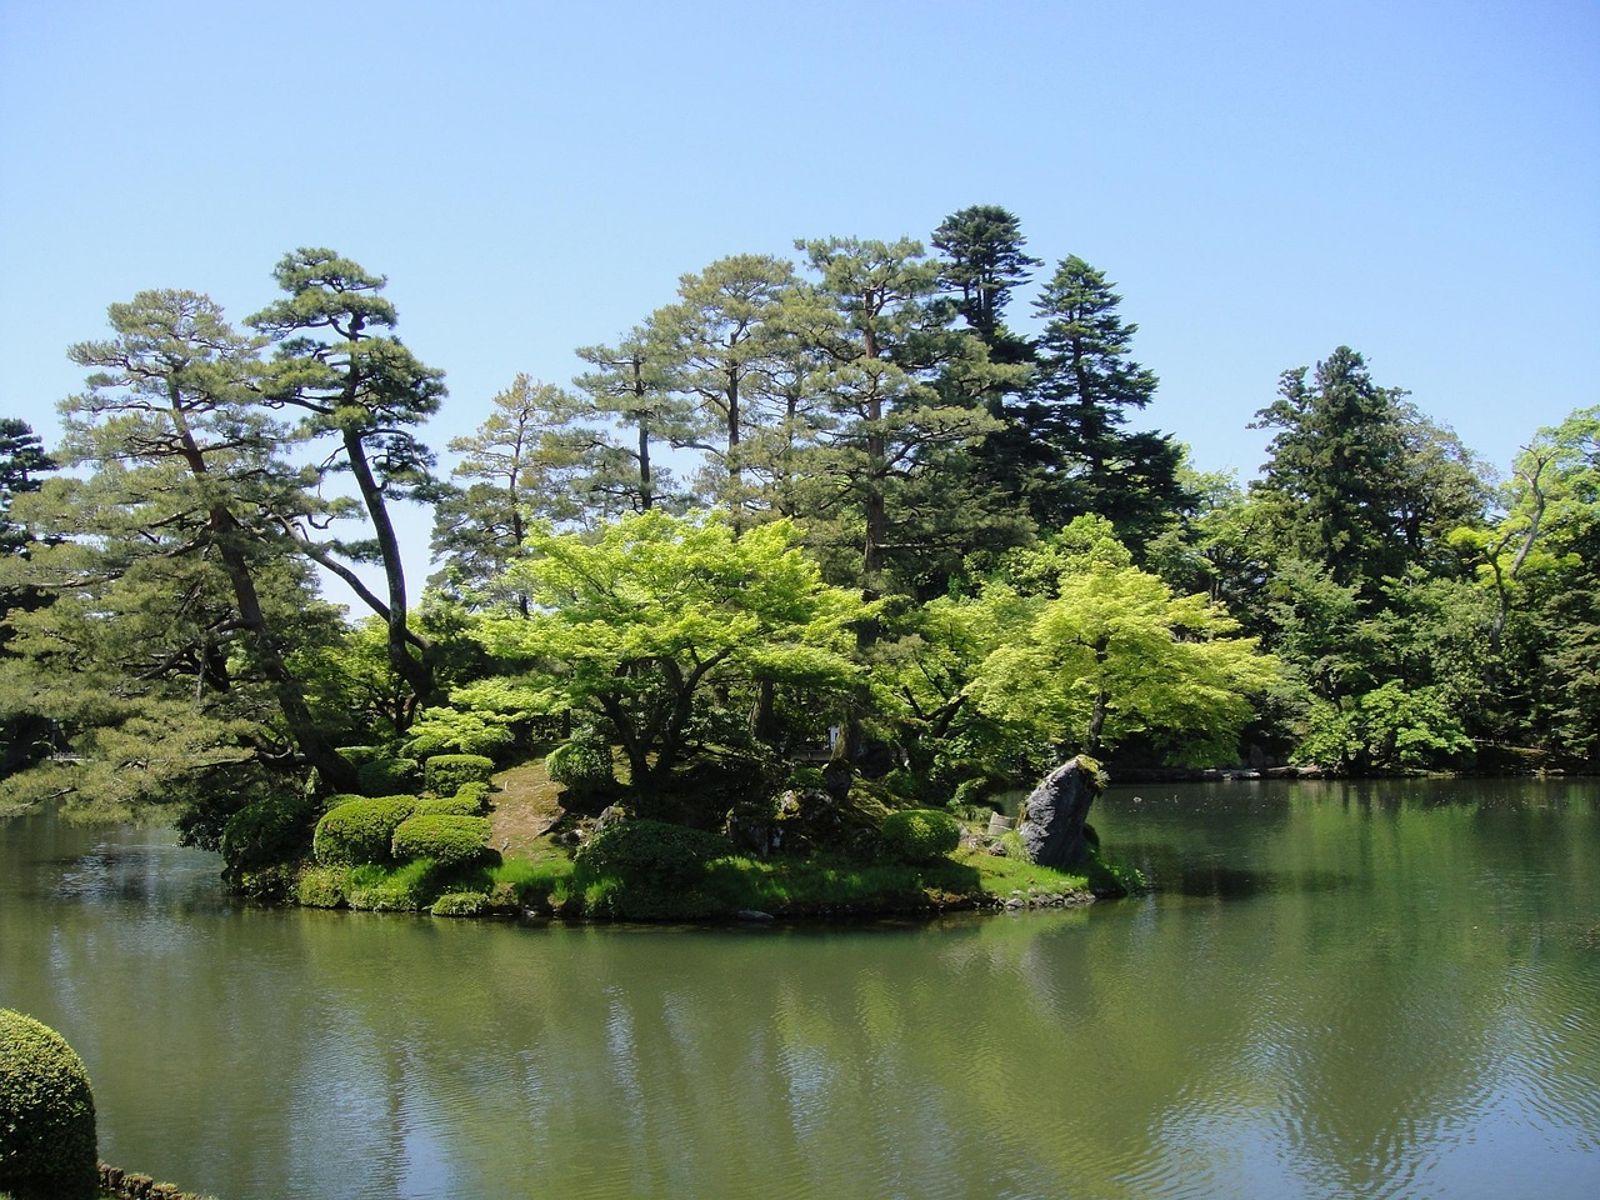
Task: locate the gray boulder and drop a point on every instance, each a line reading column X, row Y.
column 1051, row 825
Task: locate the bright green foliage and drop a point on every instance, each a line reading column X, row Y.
column 387, row 776
column 445, row 773
column 582, row 762
column 361, row 831
column 409, row 887
column 47, row 1129
column 1386, row 728
column 483, row 718
column 1115, row 654
column 464, row 804
column 274, row 829
column 920, row 835
column 640, row 630
column 476, row 793
column 450, row 841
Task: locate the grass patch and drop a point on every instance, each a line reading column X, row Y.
column 407, row 888
column 531, row 882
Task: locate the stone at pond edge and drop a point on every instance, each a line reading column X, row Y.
column 1051, row 825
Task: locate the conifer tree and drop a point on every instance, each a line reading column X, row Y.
column 355, row 381
column 1087, row 383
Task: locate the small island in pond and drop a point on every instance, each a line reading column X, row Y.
column 778, row 610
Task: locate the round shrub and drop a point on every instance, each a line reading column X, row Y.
column 460, row 904
column 386, row 776
column 582, row 763
column 445, row 773
column 920, row 834
column 449, row 806
column 359, row 831
column 449, row 841
column 478, row 793
column 274, row 830
column 358, row 756
column 666, row 855
column 47, row 1137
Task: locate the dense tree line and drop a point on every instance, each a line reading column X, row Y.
column 839, row 509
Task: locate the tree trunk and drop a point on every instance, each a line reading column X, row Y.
column 416, row 672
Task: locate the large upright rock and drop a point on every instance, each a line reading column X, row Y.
column 1051, row 826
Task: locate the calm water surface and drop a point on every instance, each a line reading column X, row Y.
column 1345, row 990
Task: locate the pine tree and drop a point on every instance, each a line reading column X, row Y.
column 356, row 382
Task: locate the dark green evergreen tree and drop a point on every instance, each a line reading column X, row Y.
column 1084, row 461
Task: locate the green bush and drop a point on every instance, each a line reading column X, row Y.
column 448, row 841
column 274, row 830
column 582, row 763
column 807, row 777
column 323, row 887
column 969, row 792
column 920, row 835
column 478, row 792
column 653, row 851
column 444, row 773
column 359, row 831
column 449, row 806
column 386, row 776
column 460, row 904
column 47, row 1135
column 359, row 756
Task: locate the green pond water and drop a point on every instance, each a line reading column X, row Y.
column 1387, row 989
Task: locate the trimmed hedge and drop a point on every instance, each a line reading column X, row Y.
column 359, row 756
column 360, row 831
column 269, row 831
column 920, row 834
column 478, row 793
column 449, row 841
column 449, row 806
column 47, row 1135
column 654, row 851
column 445, row 773
column 386, row 776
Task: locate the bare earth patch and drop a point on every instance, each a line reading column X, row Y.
column 525, row 807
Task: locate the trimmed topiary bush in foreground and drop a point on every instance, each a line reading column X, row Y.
column 920, row 835
column 444, row 773
column 360, row 831
column 582, row 763
column 47, row 1135
column 386, row 776
column 478, row 792
column 449, row 841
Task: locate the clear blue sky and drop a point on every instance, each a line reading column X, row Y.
column 1263, row 181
